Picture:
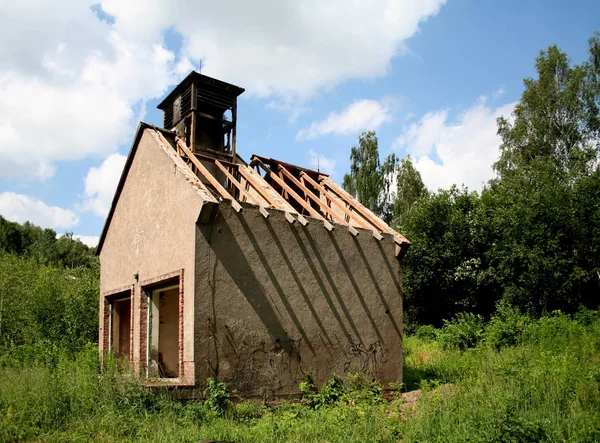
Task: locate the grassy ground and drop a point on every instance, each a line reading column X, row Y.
column 522, row 381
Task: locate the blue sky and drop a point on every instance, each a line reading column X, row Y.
column 429, row 76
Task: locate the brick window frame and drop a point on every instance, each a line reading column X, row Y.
column 109, row 298
column 146, row 287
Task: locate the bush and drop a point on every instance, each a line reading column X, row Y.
column 309, row 390
column 506, row 326
column 586, row 316
column 359, row 389
column 462, row 332
column 217, row 396
column 427, row 333
column 332, row 391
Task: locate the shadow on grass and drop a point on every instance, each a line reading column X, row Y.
column 414, row 378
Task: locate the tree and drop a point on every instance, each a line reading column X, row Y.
column 369, row 180
column 43, row 245
column 557, row 117
column 409, row 189
column 445, row 267
column 545, row 244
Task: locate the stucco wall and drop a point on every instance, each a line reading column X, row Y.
column 152, row 232
column 275, row 301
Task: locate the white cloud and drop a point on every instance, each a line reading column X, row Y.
column 499, row 92
column 284, row 48
column 459, row 152
column 89, row 240
column 321, row 163
column 421, row 137
column 101, row 183
column 359, row 116
column 21, row 208
column 73, row 85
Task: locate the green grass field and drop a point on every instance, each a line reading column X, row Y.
column 520, row 381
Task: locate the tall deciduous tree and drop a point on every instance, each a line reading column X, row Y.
column 409, row 189
column 369, row 179
column 557, row 118
column 545, row 246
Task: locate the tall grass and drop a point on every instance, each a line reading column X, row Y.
column 540, row 385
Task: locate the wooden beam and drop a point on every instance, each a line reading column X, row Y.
column 362, row 210
column 289, row 190
column 212, row 159
column 240, row 188
column 254, row 181
column 207, row 175
column 317, row 200
column 333, row 200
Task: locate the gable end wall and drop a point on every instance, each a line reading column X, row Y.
column 152, row 234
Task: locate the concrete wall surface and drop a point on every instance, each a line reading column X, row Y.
column 275, row 301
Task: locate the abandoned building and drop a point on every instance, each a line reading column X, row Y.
column 253, row 273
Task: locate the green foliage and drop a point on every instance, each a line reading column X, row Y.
column 445, row 267
column 332, row 391
column 506, row 326
column 309, row 391
column 544, row 388
column 409, row 189
column 46, row 304
column 329, row 394
column 531, row 238
column 464, row 331
column 356, row 389
column 543, row 239
column 369, row 180
column 217, row 396
column 557, row 118
column 42, row 245
column 426, row 332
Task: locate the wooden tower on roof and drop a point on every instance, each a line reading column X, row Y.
column 203, row 111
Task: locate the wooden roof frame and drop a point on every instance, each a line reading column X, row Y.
column 331, row 202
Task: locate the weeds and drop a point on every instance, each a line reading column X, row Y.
column 538, row 384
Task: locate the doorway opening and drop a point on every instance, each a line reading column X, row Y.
column 120, row 336
column 163, row 331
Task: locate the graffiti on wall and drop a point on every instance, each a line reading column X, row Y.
column 246, row 362
column 366, row 359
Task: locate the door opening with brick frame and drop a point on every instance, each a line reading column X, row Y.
column 120, row 334
column 163, row 332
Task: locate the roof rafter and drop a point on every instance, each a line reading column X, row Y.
column 263, row 189
column 317, row 200
column 241, row 189
column 334, row 200
column 207, row 175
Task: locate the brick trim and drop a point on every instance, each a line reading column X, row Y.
column 142, row 363
column 161, row 279
column 145, row 287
